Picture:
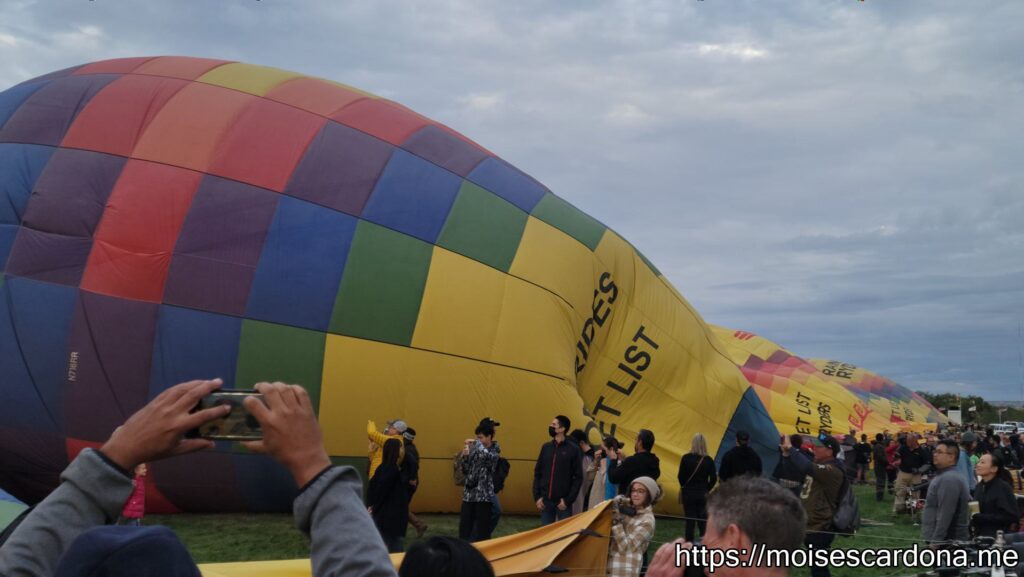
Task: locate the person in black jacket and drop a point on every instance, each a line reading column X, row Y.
column 912, row 465
column 558, row 474
column 996, row 502
column 862, row 452
column 881, row 464
column 696, row 479
column 787, row 473
column 411, row 476
column 740, row 460
column 643, row 463
column 387, row 498
column 1018, row 453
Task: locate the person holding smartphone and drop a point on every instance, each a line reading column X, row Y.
column 97, row 483
column 480, row 457
column 603, row 489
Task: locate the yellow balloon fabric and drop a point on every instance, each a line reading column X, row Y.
column 809, row 397
column 594, row 335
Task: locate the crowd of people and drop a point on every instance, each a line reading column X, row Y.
column 733, row 505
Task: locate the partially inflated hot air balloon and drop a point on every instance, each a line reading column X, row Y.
column 812, row 396
column 166, row 219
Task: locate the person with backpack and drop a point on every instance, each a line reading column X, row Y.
column 822, row 492
column 501, row 470
column 480, row 458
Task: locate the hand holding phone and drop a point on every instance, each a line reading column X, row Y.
column 237, row 425
column 155, row 431
column 291, row 434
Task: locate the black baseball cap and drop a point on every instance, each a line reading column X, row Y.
column 829, row 441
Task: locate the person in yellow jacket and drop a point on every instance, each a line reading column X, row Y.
column 394, row 430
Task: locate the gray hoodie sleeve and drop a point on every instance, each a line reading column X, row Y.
column 92, row 492
column 344, row 539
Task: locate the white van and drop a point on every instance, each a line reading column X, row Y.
column 1000, row 428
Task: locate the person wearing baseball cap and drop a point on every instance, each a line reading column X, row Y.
column 964, row 464
column 822, row 491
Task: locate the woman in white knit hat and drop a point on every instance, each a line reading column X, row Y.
column 632, row 527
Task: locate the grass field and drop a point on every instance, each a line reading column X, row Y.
column 240, row 537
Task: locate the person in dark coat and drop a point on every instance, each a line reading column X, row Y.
column 787, row 473
column 411, row 476
column 912, row 463
column 997, row 505
column 558, row 474
column 696, row 479
column 881, row 464
column 740, row 460
column 387, row 498
column 862, row 452
column 643, row 463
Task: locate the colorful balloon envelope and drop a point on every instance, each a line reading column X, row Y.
column 167, row 219
column 810, row 396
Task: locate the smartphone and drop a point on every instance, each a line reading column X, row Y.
column 238, row 425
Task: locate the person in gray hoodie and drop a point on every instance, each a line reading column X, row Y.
column 945, row 515
column 95, row 486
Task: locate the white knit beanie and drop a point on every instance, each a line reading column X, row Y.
column 652, row 487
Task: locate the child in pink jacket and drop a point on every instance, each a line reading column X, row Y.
column 135, row 509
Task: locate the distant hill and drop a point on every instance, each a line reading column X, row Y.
column 1011, row 404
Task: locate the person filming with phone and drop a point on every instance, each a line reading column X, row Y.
column 95, row 486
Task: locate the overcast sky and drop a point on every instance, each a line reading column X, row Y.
column 842, row 177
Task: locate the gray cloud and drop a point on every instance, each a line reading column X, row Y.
column 841, row 177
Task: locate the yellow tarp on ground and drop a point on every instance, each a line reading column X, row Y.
column 579, row 545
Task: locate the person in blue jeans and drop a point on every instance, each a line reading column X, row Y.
column 558, row 474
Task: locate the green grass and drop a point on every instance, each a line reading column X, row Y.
column 245, row 537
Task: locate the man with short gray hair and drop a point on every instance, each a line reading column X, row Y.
column 743, row 512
